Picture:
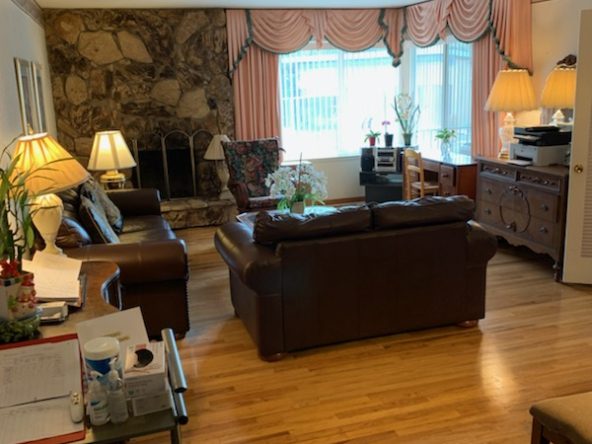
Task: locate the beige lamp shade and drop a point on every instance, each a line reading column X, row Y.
column 110, row 152
column 215, row 150
column 512, row 91
column 560, row 88
column 54, row 169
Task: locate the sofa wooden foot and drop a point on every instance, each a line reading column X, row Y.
column 274, row 357
column 468, row 324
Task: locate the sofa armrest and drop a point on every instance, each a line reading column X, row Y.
column 482, row 245
column 137, row 202
column 256, row 265
column 141, row 262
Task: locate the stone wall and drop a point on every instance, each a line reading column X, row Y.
column 140, row 71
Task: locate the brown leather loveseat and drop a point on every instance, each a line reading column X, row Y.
column 303, row 281
column 152, row 261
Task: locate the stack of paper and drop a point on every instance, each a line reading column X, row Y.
column 56, row 277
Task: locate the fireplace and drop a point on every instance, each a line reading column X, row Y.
column 169, row 162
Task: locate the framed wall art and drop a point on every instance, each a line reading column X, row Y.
column 31, row 100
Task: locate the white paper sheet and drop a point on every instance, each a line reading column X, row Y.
column 56, row 277
column 127, row 326
column 39, row 372
column 39, row 420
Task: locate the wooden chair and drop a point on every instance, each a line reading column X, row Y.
column 413, row 176
column 564, row 420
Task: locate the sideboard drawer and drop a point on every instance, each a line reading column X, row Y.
column 542, row 232
column 544, row 205
column 490, row 191
column 446, row 176
column 497, row 170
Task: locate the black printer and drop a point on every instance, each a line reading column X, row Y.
column 542, row 135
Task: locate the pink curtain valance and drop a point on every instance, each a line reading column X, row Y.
column 288, row 30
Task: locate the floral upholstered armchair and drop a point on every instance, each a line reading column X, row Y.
column 249, row 163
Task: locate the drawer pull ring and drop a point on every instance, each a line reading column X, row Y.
column 489, row 191
column 487, row 211
column 543, row 230
column 511, row 226
column 544, row 207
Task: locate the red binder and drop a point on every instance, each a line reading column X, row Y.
column 61, row 439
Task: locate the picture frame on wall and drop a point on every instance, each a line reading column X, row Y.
column 24, row 80
column 39, row 100
column 30, row 90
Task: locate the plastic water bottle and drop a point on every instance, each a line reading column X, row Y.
column 98, row 404
column 116, row 396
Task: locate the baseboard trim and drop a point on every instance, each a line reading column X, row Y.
column 344, row 200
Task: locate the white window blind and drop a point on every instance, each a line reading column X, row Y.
column 328, row 96
column 441, row 79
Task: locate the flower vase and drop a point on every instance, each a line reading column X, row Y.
column 371, row 141
column 388, row 140
column 407, row 138
column 298, row 207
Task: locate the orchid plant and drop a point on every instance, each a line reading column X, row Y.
column 303, row 183
column 407, row 113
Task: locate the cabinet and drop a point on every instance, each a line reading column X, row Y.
column 524, row 205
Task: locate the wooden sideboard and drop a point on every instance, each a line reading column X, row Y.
column 524, row 205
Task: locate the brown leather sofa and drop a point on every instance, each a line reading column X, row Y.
column 152, row 261
column 303, row 281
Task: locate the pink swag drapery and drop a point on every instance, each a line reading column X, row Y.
column 503, row 25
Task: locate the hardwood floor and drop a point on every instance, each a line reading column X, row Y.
column 445, row 385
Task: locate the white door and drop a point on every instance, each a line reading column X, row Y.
column 578, row 237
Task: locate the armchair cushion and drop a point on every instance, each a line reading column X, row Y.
column 94, row 221
column 250, row 161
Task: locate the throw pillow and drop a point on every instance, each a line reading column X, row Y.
column 71, row 234
column 95, row 222
column 93, row 191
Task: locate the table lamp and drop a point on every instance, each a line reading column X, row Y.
column 215, row 152
column 52, row 169
column 511, row 92
column 560, row 92
column 110, row 153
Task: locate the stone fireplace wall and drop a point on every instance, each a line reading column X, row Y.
column 140, row 71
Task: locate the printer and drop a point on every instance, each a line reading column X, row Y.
column 541, row 145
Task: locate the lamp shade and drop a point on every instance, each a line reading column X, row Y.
column 215, row 150
column 110, row 152
column 52, row 168
column 560, row 88
column 512, row 91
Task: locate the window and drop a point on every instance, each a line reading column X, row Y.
column 440, row 81
column 328, row 96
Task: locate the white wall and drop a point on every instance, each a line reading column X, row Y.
column 22, row 37
column 555, row 31
column 342, row 176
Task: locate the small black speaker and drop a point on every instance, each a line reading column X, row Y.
column 367, row 160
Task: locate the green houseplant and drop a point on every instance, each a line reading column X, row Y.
column 17, row 292
column 445, row 136
column 372, row 137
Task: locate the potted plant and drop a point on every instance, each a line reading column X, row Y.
column 445, row 136
column 372, row 137
column 18, row 318
column 388, row 137
column 297, row 186
column 407, row 115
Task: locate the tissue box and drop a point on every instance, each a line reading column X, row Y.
column 153, row 403
column 145, row 372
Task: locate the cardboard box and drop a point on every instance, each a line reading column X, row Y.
column 153, row 403
column 145, row 372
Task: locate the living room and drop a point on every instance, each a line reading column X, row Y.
column 164, row 67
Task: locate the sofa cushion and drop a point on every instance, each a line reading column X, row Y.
column 422, row 211
column 93, row 191
column 146, row 235
column 96, row 224
column 71, row 234
column 272, row 227
column 133, row 224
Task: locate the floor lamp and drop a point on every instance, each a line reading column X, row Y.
column 52, row 169
column 511, row 92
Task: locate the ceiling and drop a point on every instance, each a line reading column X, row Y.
column 272, row 4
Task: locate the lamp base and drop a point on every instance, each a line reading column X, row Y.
column 506, row 134
column 112, row 179
column 47, row 216
column 223, row 175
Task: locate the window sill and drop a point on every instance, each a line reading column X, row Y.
column 327, row 159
